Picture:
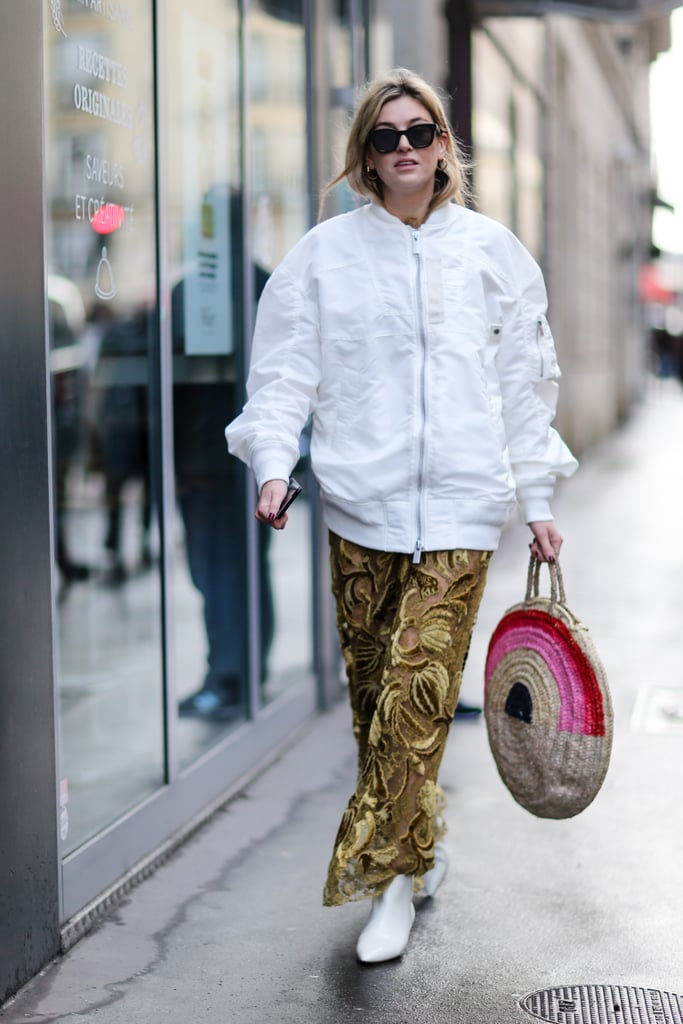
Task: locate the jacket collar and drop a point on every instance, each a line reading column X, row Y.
column 436, row 219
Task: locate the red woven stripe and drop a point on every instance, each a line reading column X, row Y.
column 594, row 724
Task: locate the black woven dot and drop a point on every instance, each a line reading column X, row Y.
column 518, row 703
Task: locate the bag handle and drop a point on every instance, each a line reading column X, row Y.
column 533, row 580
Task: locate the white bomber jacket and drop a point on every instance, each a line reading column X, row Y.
column 426, row 361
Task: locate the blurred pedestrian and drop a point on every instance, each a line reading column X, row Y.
column 413, row 330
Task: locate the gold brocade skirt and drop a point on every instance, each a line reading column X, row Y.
column 405, row 632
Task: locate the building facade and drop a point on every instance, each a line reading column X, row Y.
column 558, row 128
column 159, row 160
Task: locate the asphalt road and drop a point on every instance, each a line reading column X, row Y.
column 232, row 929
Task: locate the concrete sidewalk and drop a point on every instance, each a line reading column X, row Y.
column 232, row 928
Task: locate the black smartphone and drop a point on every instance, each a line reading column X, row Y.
column 293, row 492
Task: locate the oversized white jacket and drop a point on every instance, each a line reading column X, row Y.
column 427, row 364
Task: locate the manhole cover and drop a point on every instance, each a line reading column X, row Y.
column 604, row 1004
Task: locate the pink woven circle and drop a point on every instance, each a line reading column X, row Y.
column 570, row 671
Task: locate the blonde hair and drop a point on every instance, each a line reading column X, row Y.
column 450, row 179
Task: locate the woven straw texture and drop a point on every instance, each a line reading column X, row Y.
column 547, row 703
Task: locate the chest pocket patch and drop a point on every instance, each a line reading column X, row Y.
column 436, row 313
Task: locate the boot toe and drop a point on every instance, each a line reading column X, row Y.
column 376, row 945
column 386, row 934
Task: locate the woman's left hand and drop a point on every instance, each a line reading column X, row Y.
column 547, row 540
column 270, row 499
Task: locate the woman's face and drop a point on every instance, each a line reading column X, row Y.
column 406, row 171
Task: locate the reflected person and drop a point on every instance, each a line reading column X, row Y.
column 121, row 440
column 69, row 381
column 211, row 499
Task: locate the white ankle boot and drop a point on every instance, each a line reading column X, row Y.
column 435, row 876
column 386, row 934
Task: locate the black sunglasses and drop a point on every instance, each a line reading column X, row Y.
column 386, row 140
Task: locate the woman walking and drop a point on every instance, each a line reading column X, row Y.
column 413, row 331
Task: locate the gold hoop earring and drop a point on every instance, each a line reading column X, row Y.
column 371, row 176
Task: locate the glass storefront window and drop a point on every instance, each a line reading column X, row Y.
column 336, row 82
column 102, row 287
column 239, row 595
column 279, row 217
column 204, row 219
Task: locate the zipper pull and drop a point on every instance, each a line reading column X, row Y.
column 417, row 553
column 416, row 243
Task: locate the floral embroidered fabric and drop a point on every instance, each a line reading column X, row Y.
column 405, row 632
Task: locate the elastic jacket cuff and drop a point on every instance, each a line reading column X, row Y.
column 266, row 466
column 536, row 510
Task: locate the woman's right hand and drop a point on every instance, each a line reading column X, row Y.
column 547, row 540
column 271, row 497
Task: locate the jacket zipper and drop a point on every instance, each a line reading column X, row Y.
column 417, row 252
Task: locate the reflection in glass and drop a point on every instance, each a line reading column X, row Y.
column 338, row 83
column 278, row 201
column 101, row 301
column 204, row 218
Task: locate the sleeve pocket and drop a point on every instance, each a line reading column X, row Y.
column 548, row 368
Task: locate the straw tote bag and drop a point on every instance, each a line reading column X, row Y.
column 547, row 703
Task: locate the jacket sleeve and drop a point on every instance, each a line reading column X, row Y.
column 283, row 380
column 528, row 373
